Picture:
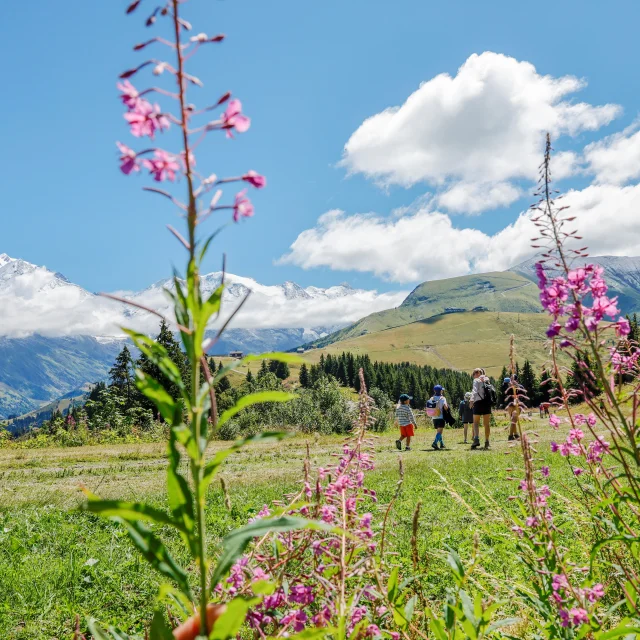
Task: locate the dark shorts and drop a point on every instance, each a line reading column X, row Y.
column 481, row 408
column 438, row 423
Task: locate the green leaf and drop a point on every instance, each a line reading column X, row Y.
column 112, row 634
column 210, row 306
column 181, row 500
column 505, row 622
column 254, row 398
column 237, row 541
column 130, row 511
column 151, row 388
column 437, row 627
column 625, row 627
column 157, row 554
column 158, row 355
column 205, row 246
column 467, row 607
column 263, row 587
column 392, row 585
column 214, row 464
column 409, row 608
column 229, row 623
column 454, row 561
column 159, row 628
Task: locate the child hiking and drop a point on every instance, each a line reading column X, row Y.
column 465, row 413
column 406, row 421
column 436, row 406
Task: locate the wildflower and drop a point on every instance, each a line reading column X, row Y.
column 130, row 96
column 163, row 166
column 255, row 179
column 519, row 531
column 572, row 323
column 301, row 594
column 128, row 159
column 579, row 419
column 145, row 119
column 623, row 328
column 544, row 471
column 559, row 581
column 577, row 471
column 595, row 593
column 555, row 447
column 242, row 207
column 373, row 631
column 233, row 118
column 532, row 521
column 554, row 421
column 553, row 330
column 578, row 616
column 592, row 420
column 576, row 434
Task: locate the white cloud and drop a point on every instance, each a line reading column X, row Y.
column 427, row 246
column 485, row 126
column 35, row 300
column 615, row 159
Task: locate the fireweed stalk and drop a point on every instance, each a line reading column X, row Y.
column 192, row 416
column 569, row 599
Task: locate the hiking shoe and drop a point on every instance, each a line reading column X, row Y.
column 511, row 437
column 441, row 445
column 434, row 445
column 516, row 436
column 475, row 444
column 407, row 448
column 487, row 445
column 399, row 445
column 465, row 442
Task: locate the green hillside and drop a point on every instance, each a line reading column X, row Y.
column 499, row 291
column 454, row 341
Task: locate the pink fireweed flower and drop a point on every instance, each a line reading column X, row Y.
column 592, row 420
column 233, row 118
column 519, row 531
column 595, row 593
column 128, row 159
column 623, row 328
column 576, row 434
column 555, row 447
column 544, row 471
column 130, row 96
column 163, row 166
column 145, row 119
column 554, row 421
column 559, row 581
column 532, row 521
column 577, row 471
column 578, row 616
column 579, row 419
column 572, row 324
column 553, row 330
column 255, row 179
column 242, row 207
column 603, row 306
column 576, row 278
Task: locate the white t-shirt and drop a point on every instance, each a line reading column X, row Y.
column 437, row 411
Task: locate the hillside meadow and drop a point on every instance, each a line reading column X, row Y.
column 56, row 562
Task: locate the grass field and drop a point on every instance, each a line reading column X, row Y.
column 454, row 341
column 56, row 562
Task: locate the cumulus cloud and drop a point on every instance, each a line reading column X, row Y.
column 36, row 300
column 616, row 158
column 472, row 134
column 427, row 245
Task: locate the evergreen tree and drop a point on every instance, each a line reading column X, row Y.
column 264, row 370
column 504, row 374
column 304, row 376
column 223, row 384
column 121, row 376
column 530, row 383
column 581, row 379
column 547, row 389
column 282, row 370
column 249, row 377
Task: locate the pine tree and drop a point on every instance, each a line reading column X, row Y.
column 304, row 376
column 121, row 376
column 264, row 369
column 581, row 379
column 547, row 389
column 249, row 377
column 282, row 370
column 529, row 382
column 223, row 384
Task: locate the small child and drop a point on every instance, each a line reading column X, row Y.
column 435, row 410
column 465, row 412
column 406, row 421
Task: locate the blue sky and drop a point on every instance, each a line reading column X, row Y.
column 309, row 75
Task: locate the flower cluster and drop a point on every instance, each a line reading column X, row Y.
column 319, row 577
column 565, row 299
column 146, row 119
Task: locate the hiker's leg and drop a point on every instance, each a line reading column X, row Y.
column 476, row 426
column 408, row 441
column 487, row 426
column 465, row 428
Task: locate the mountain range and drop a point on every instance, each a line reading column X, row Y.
column 55, row 336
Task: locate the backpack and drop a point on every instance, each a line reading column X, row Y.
column 433, row 407
column 490, row 393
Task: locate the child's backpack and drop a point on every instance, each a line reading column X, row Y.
column 433, row 407
column 490, row 393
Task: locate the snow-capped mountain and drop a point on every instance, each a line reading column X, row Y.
column 56, row 336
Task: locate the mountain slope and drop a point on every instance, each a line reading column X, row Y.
column 453, row 341
column 508, row 292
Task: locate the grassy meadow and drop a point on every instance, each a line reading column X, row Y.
column 56, row 562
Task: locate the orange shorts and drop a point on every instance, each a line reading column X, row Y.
column 407, row 432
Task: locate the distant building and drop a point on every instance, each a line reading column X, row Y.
column 300, row 349
column 236, row 354
column 454, row 310
column 479, row 309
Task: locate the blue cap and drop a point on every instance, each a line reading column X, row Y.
column 506, row 380
column 404, row 396
column 438, row 388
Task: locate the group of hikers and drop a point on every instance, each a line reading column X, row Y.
column 475, row 408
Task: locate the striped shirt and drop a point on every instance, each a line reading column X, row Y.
column 404, row 415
